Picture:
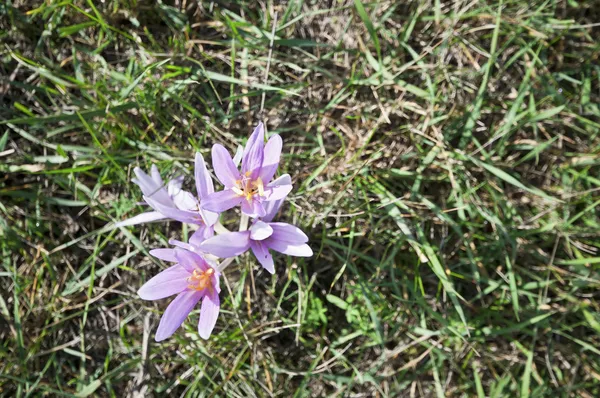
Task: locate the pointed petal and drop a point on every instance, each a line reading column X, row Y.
column 141, row 219
column 272, row 154
column 277, row 192
column 260, row 231
column 150, row 187
column 175, row 214
column 302, row 250
column 288, row 233
column 171, row 281
column 209, row 312
column 164, row 254
column 176, row 313
column 263, row 256
column 190, row 260
column 227, row 245
column 254, row 152
column 273, row 206
column 156, row 175
column 221, row 201
column 224, row 167
column 204, row 183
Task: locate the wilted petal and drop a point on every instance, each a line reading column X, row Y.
column 221, row 201
column 260, row 231
column 204, row 183
column 271, row 158
column 254, row 152
column 288, row 233
column 176, row 313
column 209, row 312
column 224, row 167
column 302, row 250
column 229, row 244
column 190, row 261
column 164, row 254
column 141, row 219
column 171, row 281
column 175, row 214
column 263, row 256
column 273, row 206
column 277, row 192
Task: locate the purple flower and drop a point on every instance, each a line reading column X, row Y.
column 172, row 202
column 262, row 236
column 192, row 279
column 250, row 187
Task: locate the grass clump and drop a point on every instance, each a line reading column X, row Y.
column 445, row 163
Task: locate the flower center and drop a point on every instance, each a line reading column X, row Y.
column 247, row 187
column 201, row 280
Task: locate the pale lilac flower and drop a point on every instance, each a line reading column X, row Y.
column 174, row 203
column 262, row 236
column 192, row 279
column 250, row 187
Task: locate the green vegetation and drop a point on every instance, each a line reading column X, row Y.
column 445, row 158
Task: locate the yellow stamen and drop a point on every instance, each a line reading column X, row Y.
column 201, row 280
column 260, row 186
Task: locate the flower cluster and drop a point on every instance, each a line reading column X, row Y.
column 196, row 270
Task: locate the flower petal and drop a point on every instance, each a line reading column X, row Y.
column 156, row 175
column 174, row 186
column 254, row 152
column 273, row 206
column 224, row 167
column 150, row 187
column 288, row 233
column 204, row 183
column 209, row 312
column 171, row 281
column 221, row 201
column 141, row 219
column 302, row 250
column 272, row 154
column 263, row 256
column 184, row 200
column 229, row 244
column 277, row 192
column 190, row 260
column 260, row 231
column 237, row 158
column 174, row 213
column 253, row 208
column 201, row 234
column 164, row 254
column 176, row 313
